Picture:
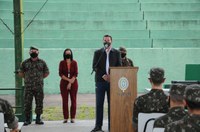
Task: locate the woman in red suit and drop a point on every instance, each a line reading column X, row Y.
column 68, row 71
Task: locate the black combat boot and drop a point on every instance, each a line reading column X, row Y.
column 27, row 121
column 39, row 120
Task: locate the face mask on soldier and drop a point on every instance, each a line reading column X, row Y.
column 123, row 55
column 33, row 55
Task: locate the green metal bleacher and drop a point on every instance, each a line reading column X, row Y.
column 126, row 20
column 170, row 6
column 156, row 32
column 169, row 1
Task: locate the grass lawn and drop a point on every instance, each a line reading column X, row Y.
column 83, row 113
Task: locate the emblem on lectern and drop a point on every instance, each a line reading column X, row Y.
column 123, row 83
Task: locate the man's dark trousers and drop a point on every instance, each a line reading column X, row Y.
column 101, row 89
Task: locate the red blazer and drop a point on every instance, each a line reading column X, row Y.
column 63, row 70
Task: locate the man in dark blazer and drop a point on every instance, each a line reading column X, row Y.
column 103, row 59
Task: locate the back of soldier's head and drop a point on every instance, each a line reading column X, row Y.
column 192, row 96
column 157, row 75
column 177, row 92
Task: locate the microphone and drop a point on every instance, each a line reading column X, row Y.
column 95, row 66
column 16, row 72
column 106, row 45
column 92, row 71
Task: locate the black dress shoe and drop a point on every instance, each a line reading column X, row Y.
column 65, row 121
column 72, row 120
column 97, row 129
column 39, row 122
column 26, row 123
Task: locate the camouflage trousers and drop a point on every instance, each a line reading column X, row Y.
column 38, row 94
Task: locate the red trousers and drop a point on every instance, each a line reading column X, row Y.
column 65, row 102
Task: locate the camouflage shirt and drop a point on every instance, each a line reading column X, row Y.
column 9, row 116
column 34, row 71
column 154, row 101
column 174, row 114
column 127, row 62
column 189, row 123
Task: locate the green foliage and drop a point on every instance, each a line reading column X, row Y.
column 52, row 113
column 83, row 113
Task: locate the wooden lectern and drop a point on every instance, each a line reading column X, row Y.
column 123, row 91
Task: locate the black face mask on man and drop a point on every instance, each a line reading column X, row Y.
column 106, row 44
column 34, row 55
column 67, row 56
column 123, row 55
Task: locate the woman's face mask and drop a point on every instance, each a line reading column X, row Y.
column 67, row 56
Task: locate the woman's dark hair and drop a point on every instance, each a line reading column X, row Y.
column 71, row 58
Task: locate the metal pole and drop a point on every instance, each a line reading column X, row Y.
column 18, row 39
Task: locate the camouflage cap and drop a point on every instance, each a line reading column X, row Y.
column 122, row 49
column 192, row 93
column 177, row 91
column 157, row 73
column 33, row 48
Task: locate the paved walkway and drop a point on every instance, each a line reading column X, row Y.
column 58, row 126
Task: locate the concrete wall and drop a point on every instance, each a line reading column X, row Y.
column 156, row 32
column 172, row 60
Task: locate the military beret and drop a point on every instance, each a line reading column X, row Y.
column 33, row 48
column 122, row 49
column 192, row 93
column 157, row 73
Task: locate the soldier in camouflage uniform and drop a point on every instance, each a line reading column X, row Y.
column 9, row 116
column 155, row 100
column 177, row 110
column 125, row 61
column 33, row 70
column 190, row 122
